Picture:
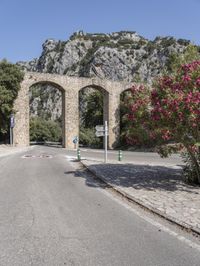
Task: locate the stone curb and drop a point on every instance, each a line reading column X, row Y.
column 142, row 204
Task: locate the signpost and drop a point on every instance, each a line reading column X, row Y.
column 102, row 131
column 75, row 141
column 12, row 124
column 99, row 134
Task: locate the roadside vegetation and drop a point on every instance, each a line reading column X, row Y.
column 91, row 115
column 10, row 79
column 169, row 115
column 42, row 130
column 165, row 119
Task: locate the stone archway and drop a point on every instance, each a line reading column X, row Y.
column 100, row 108
column 46, row 102
column 70, row 87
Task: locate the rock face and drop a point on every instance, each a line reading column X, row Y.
column 45, row 102
column 116, row 56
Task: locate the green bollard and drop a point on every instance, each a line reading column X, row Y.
column 119, row 155
column 78, row 154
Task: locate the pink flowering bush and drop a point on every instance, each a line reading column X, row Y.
column 136, row 116
column 170, row 113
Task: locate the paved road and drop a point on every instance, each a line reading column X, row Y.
column 133, row 157
column 52, row 214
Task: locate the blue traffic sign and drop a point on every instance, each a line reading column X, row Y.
column 75, row 139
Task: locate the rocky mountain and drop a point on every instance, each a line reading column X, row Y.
column 117, row 56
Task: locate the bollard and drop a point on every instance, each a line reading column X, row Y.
column 119, row 155
column 78, row 154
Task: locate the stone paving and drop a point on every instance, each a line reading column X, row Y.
column 159, row 188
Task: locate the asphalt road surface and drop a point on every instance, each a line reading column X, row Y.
column 54, row 214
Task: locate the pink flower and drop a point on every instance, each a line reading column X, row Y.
column 186, row 78
column 166, row 135
column 198, row 81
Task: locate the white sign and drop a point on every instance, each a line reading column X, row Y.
column 99, row 128
column 102, row 131
column 99, row 133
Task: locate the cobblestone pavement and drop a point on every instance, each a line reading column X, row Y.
column 159, row 188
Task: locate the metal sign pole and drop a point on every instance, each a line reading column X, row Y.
column 12, row 124
column 11, row 136
column 106, row 142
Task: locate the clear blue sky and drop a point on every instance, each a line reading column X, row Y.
column 26, row 24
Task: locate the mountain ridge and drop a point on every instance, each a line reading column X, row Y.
column 123, row 55
column 118, row 56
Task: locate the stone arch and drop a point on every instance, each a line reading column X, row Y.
column 127, row 88
column 105, row 95
column 22, row 120
column 61, row 89
column 70, row 87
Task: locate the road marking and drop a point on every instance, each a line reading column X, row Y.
column 41, row 156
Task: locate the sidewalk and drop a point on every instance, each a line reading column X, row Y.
column 158, row 188
column 8, row 150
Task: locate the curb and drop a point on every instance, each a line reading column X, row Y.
column 148, row 207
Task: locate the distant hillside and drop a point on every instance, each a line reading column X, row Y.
column 117, row 56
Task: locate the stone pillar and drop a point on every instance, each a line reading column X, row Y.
column 21, row 107
column 114, row 119
column 71, row 107
column 63, row 120
column 105, row 106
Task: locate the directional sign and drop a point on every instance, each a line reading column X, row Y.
column 99, row 128
column 99, row 133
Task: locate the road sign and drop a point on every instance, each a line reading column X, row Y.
column 99, row 133
column 99, row 128
column 75, row 139
column 102, row 131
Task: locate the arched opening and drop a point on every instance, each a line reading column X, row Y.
column 134, row 129
column 93, row 111
column 46, row 123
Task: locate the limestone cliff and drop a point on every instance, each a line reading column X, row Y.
column 118, row 56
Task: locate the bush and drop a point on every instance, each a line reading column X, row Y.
column 10, row 79
column 170, row 114
column 87, row 138
column 44, row 130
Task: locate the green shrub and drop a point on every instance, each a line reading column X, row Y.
column 44, row 130
column 87, row 138
column 10, row 79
